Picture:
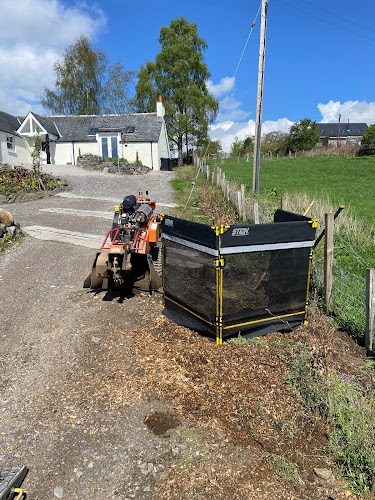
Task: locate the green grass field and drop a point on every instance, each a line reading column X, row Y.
column 344, row 180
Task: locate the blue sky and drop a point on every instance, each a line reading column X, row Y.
column 319, row 58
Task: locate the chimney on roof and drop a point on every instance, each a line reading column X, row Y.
column 160, row 111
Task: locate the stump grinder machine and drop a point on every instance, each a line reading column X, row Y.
column 129, row 250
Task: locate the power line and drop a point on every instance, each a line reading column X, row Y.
column 328, row 22
column 248, row 38
column 339, row 17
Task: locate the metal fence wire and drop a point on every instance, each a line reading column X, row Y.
column 348, row 292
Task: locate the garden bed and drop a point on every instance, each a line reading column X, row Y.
column 18, row 184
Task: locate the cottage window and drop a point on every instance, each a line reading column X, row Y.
column 130, row 130
column 10, row 143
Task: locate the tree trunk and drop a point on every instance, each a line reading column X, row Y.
column 179, row 147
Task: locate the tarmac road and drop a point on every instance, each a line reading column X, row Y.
column 64, row 408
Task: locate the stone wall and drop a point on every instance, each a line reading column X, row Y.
column 98, row 164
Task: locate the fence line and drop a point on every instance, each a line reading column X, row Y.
column 337, row 284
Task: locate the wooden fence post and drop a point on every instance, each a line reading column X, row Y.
column 328, row 262
column 284, row 202
column 239, row 203
column 243, row 202
column 370, row 311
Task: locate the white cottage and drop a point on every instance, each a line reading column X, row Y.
column 140, row 136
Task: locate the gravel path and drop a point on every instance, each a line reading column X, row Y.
column 64, row 408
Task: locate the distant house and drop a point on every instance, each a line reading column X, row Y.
column 333, row 134
column 140, row 136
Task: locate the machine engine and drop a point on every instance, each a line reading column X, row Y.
column 129, row 249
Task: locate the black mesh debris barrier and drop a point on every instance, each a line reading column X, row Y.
column 248, row 279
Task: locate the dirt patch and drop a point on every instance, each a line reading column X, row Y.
column 160, row 422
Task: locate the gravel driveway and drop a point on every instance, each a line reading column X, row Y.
column 66, row 356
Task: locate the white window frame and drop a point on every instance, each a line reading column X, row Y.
column 11, row 143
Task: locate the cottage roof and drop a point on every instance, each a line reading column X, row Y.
column 8, row 123
column 137, row 127
column 346, row 129
column 47, row 123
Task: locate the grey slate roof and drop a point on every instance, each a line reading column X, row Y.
column 8, row 123
column 147, row 127
column 47, row 123
column 346, row 130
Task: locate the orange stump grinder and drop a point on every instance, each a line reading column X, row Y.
column 129, row 250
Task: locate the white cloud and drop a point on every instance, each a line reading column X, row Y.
column 35, row 38
column 229, row 125
column 225, row 85
column 354, row 111
column 228, row 130
column 230, row 109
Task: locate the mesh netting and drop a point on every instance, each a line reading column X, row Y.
column 262, row 284
column 189, row 279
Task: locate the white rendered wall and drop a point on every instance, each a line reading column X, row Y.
column 21, row 154
column 66, row 153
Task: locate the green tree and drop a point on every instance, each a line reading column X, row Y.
column 210, row 147
column 179, row 74
column 368, row 141
column 146, row 89
column 247, row 146
column 79, row 81
column 275, row 142
column 116, row 89
column 236, row 146
column 303, row 135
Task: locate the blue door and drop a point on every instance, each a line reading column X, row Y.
column 105, row 147
column 114, row 153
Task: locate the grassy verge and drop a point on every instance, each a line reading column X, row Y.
column 349, row 410
column 198, row 200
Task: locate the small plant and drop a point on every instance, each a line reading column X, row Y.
column 256, row 341
column 287, row 428
column 137, row 160
column 237, row 340
column 305, row 377
column 35, row 155
column 90, row 155
column 284, row 469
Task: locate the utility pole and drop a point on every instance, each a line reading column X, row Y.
column 338, row 132
column 258, row 123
